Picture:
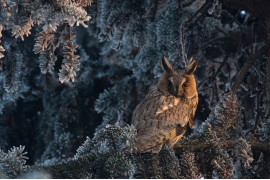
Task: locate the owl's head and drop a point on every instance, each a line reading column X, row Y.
column 178, row 82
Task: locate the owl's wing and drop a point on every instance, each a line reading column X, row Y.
column 162, row 110
column 156, row 117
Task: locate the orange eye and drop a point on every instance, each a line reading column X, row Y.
column 185, row 85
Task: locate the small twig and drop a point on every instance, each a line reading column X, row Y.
column 185, row 4
column 220, row 67
column 202, row 10
column 153, row 3
column 212, row 78
column 203, row 82
column 246, row 67
column 234, row 18
column 212, row 41
column 12, row 167
column 221, row 30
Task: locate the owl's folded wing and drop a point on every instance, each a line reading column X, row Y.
column 162, row 113
column 157, row 120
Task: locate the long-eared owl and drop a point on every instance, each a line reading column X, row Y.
column 163, row 116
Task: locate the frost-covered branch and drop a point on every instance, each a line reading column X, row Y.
column 71, row 61
column 71, row 169
column 199, row 145
column 13, row 163
column 21, row 16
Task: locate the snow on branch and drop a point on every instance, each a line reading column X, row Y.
column 21, row 16
column 71, row 61
column 45, row 46
column 13, row 163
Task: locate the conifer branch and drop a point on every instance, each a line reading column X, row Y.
column 71, row 61
column 71, row 169
column 14, row 161
column 45, row 46
column 23, row 29
column 255, row 144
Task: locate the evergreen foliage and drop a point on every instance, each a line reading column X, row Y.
column 13, row 163
column 112, row 60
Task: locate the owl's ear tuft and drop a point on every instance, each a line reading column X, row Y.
column 166, row 65
column 191, row 66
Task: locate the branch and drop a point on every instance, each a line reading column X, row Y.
column 72, row 169
column 198, row 14
column 255, row 144
column 247, row 65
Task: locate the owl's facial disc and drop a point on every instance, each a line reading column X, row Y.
column 180, row 86
column 171, row 85
column 174, row 84
column 189, row 87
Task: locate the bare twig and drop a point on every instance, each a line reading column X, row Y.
column 246, row 67
column 199, row 12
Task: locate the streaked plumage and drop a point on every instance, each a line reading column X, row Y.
column 163, row 116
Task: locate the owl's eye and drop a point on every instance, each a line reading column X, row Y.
column 185, row 85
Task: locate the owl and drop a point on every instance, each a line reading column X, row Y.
column 166, row 111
